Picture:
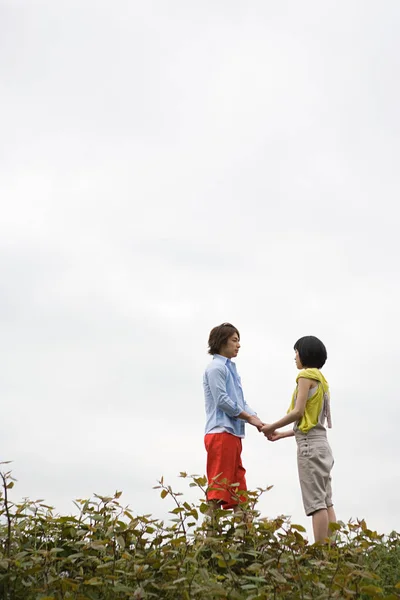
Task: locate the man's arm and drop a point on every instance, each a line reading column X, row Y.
column 248, row 409
column 251, row 419
column 217, row 381
column 250, row 416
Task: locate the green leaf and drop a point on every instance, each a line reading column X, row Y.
column 180, row 580
column 371, row 590
column 277, row 576
column 298, row 528
column 255, row 578
column 204, row 508
column 254, row 567
column 163, row 493
column 93, row 581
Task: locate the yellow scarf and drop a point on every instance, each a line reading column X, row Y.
column 315, row 403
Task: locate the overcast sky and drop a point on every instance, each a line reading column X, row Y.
column 166, row 166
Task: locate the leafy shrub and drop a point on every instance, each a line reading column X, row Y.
column 105, row 552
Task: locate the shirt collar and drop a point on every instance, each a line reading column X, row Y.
column 224, row 359
column 220, row 357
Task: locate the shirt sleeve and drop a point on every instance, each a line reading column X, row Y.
column 248, row 409
column 217, row 381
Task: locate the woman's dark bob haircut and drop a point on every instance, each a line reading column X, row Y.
column 312, row 352
column 219, row 336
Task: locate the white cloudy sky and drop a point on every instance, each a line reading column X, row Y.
column 166, row 166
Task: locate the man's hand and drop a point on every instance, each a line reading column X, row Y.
column 267, row 429
column 255, row 421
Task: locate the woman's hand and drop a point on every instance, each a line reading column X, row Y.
column 267, row 429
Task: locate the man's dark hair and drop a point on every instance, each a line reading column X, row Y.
column 219, row 336
column 312, row 352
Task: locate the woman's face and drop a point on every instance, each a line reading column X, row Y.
column 297, row 360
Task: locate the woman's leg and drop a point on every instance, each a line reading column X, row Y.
column 331, row 514
column 320, row 523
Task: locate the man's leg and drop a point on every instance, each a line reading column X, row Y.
column 241, row 479
column 224, row 463
column 223, row 456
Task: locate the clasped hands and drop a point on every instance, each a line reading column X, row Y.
column 265, row 428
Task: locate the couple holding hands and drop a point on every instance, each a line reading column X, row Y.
column 227, row 412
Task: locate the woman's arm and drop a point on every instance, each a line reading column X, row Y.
column 280, row 435
column 303, row 387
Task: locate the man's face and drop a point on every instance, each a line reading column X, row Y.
column 231, row 348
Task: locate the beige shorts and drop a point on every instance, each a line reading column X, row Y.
column 315, row 462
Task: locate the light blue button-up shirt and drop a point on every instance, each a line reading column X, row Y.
column 224, row 398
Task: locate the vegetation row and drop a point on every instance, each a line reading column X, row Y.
column 106, row 552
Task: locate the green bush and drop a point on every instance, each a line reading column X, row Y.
column 105, row 552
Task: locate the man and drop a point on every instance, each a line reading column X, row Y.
column 226, row 414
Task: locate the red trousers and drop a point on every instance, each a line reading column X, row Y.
column 224, row 467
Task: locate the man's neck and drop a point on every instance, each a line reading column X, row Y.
column 224, row 356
